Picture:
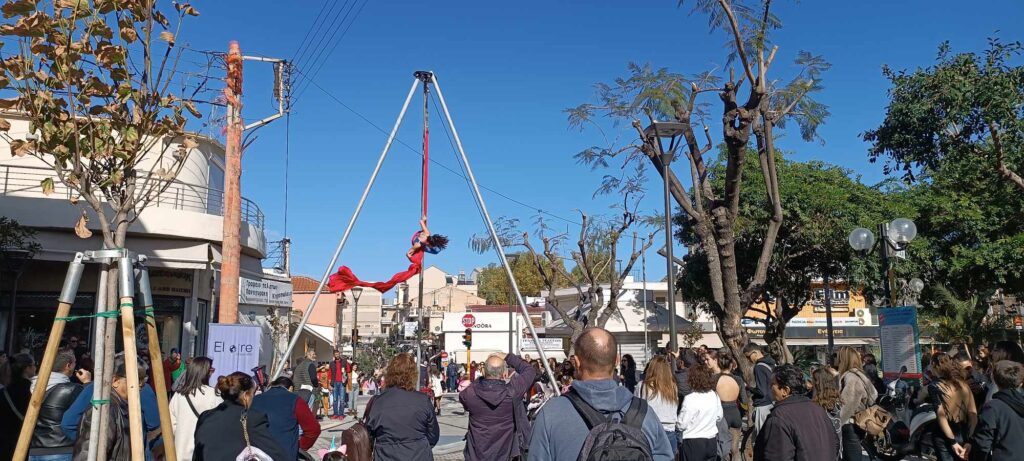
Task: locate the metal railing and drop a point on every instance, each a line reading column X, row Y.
column 26, row 181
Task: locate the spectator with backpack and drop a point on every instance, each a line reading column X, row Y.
column 597, row 419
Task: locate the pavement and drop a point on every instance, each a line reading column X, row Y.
column 452, row 422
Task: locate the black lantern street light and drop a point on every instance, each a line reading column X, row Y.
column 655, row 133
column 895, row 237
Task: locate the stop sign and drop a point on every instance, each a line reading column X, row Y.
column 468, row 320
column 444, row 355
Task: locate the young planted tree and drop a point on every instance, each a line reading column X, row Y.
column 753, row 105
column 107, row 109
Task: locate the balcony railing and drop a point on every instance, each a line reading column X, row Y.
column 25, row 181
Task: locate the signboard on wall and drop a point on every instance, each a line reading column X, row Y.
column 264, row 292
column 234, row 347
column 170, row 282
column 410, row 329
column 900, row 339
column 549, row 344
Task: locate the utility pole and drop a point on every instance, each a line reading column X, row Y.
column 232, row 209
column 231, row 247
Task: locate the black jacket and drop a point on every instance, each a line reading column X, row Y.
column 403, row 425
column 118, row 436
column 19, row 393
column 344, row 369
column 48, row 434
column 761, row 393
column 1000, row 428
column 219, row 434
column 682, row 386
column 796, row 430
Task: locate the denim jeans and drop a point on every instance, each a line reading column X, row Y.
column 338, row 394
column 57, row 457
column 852, row 437
column 673, row 440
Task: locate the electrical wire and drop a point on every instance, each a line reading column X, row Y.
column 326, row 57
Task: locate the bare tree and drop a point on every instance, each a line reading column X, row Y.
column 753, row 111
column 595, row 268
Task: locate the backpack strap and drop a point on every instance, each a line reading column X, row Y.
column 636, row 413
column 590, row 416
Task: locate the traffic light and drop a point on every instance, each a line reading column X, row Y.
column 467, row 339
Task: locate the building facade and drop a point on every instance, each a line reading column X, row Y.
column 180, row 232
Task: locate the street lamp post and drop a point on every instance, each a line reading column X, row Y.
column 356, row 292
column 655, row 132
column 895, row 236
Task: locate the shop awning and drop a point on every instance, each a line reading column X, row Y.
column 322, row 333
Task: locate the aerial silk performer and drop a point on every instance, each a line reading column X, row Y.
column 422, row 242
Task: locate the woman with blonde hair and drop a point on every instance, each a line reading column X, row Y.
column 659, row 390
column 955, row 409
column 400, row 419
column 857, row 393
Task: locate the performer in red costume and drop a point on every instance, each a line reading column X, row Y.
column 422, row 242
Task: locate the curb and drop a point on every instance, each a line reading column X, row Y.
column 449, row 448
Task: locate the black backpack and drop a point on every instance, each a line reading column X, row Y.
column 612, row 438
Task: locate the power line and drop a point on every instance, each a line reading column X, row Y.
column 337, row 42
column 305, row 47
column 309, row 31
column 442, row 165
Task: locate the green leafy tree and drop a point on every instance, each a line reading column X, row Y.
column 821, row 203
column 493, row 283
column 954, row 131
column 967, row 108
column 960, row 322
column 754, row 104
column 14, row 236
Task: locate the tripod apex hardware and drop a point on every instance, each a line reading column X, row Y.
column 424, row 76
column 132, row 273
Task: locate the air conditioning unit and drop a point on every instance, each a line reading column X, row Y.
column 863, row 316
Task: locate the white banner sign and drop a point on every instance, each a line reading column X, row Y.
column 549, row 344
column 234, row 348
column 263, row 292
column 410, row 329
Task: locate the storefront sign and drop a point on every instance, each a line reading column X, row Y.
column 820, row 332
column 171, row 282
column 814, row 322
column 262, row 292
column 901, row 342
column 234, row 347
column 480, row 321
column 549, row 344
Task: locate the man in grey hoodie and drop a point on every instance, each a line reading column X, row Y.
column 559, row 431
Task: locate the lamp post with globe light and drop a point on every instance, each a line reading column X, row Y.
column 895, row 237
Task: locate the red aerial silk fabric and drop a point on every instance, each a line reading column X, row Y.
column 344, row 279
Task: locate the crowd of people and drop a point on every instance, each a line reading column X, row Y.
column 692, row 404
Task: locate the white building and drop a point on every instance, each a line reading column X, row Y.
column 180, row 232
column 642, row 318
column 490, row 334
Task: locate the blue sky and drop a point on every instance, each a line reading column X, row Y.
column 508, row 70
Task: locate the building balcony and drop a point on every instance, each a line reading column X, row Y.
column 183, row 210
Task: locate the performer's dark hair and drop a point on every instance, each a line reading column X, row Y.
column 437, row 241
